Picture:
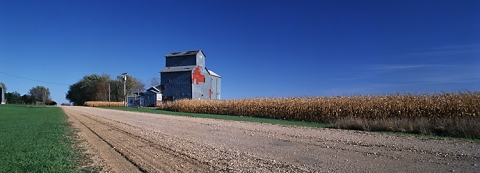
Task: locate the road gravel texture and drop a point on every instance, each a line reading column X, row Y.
column 122, row 141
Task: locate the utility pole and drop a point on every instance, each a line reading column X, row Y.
column 108, row 94
column 125, row 89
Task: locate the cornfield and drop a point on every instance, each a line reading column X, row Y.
column 329, row 109
column 103, row 104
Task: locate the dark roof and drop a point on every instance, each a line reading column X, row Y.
column 154, row 89
column 186, row 53
column 186, row 68
column 178, row 68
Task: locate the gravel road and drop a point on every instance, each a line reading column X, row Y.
column 123, row 141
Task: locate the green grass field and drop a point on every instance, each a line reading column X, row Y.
column 35, row 139
column 225, row 117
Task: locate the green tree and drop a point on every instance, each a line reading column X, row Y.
column 13, row 97
column 26, row 99
column 95, row 88
column 40, row 93
column 52, row 103
column 90, row 88
column 132, row 85
column 116, row 90
column 76, row 93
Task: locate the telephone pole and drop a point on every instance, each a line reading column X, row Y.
column 125, row 89
column 108, row 94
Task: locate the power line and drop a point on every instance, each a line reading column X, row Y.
column 33, row 79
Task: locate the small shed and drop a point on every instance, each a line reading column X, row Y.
column 186, row 77
column 150, row 98
column 135, row 100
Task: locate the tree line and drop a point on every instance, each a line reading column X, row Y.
column 96, row 88
column 35, row 94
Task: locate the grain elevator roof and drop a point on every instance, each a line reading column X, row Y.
column 186, row 53
column 178, row 68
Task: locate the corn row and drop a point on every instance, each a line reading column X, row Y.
column 327, row 109
column 103, row 104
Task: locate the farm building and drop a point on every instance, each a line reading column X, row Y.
column 186, row 77
column 151, row 97
column 2, row 95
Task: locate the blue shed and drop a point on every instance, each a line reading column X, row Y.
column 186, row 77
column 151, row 97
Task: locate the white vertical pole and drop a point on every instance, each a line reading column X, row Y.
column 125, row 89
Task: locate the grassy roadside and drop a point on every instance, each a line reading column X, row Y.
column 35, row 139
column 224, row 117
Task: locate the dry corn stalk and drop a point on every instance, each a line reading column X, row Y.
column 327, row 109
column 103, row 104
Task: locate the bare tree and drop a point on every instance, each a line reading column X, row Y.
column 154, row 82
column 140, row 86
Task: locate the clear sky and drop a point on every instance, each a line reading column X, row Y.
column 261, row 48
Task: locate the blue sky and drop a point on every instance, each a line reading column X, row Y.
column 260, row 48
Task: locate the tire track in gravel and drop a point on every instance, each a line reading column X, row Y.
column 163, row 143
column 165, row 153
column 115, row 161
column 140, row 152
